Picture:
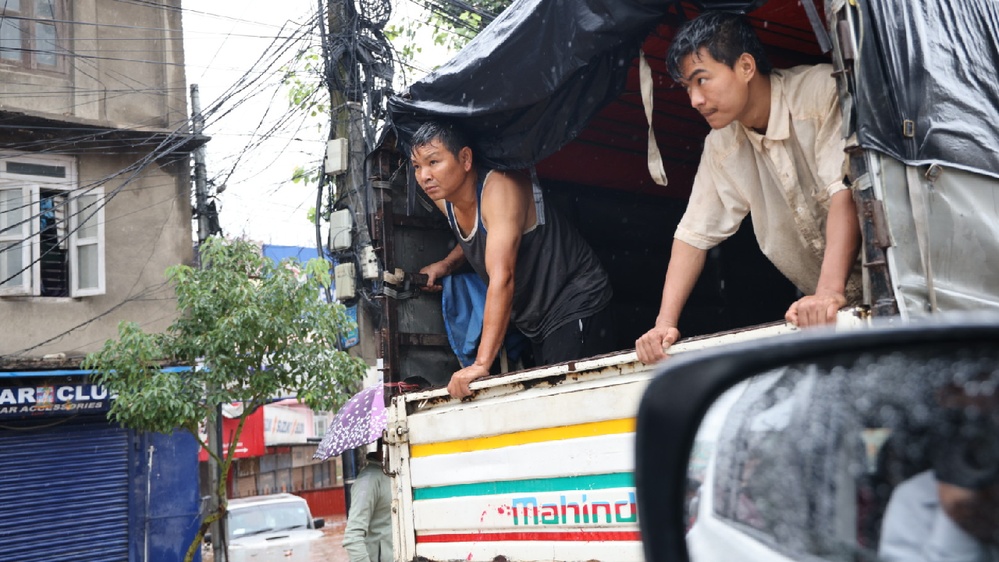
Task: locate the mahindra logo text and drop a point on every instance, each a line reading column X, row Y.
column 528, row 510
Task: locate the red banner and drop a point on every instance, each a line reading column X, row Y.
column 251, row 440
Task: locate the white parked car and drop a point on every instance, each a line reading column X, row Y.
column 271, row 527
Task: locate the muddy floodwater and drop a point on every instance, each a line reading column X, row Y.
column 330, row 548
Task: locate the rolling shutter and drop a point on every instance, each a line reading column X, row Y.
column 64, row 494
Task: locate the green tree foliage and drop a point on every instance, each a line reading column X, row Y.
column 451, row 24
column 255, row 329
column 303, row 78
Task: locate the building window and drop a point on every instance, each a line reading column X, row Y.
column 51, row 231
column 30, row 33
column 320, row 423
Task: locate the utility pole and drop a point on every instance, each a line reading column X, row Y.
column 212, row 426
column 200, row 173
column 347, row 123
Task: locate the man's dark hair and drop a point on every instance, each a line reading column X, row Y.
column 725, row 36
column 446, row 133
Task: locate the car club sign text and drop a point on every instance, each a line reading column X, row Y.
column 53, row 399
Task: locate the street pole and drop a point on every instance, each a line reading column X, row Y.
column 200, row 173
column 347, row 122
column 213, row 425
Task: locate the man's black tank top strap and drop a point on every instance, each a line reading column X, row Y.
column 557, row 279
column 480, row 181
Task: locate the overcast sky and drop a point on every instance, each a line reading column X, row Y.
column 223, row 40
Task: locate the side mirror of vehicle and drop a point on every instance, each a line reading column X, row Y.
column 808, row 446
column 318, row 522
column 208, row 538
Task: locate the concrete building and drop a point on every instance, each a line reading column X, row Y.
column 95, row 204
column 94, row 170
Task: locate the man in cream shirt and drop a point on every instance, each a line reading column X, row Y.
column 776, row 150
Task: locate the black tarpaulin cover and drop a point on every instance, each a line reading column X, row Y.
column 936, row 64
column 529, row 83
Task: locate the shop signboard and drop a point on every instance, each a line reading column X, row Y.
column 48, row 398
column 284, row 425
column 251, row 440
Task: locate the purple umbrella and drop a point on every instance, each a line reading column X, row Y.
column 359, row 422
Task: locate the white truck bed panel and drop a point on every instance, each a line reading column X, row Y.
column 537, row 466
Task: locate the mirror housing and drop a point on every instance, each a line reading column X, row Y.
column 676, row 401
column 318, row 522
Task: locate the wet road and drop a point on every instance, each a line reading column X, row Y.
column 327, row 549
column 330, row 548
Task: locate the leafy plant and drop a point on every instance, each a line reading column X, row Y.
column 305, row 176
column 451, row 25
column 250, row 329
column 304, row 80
